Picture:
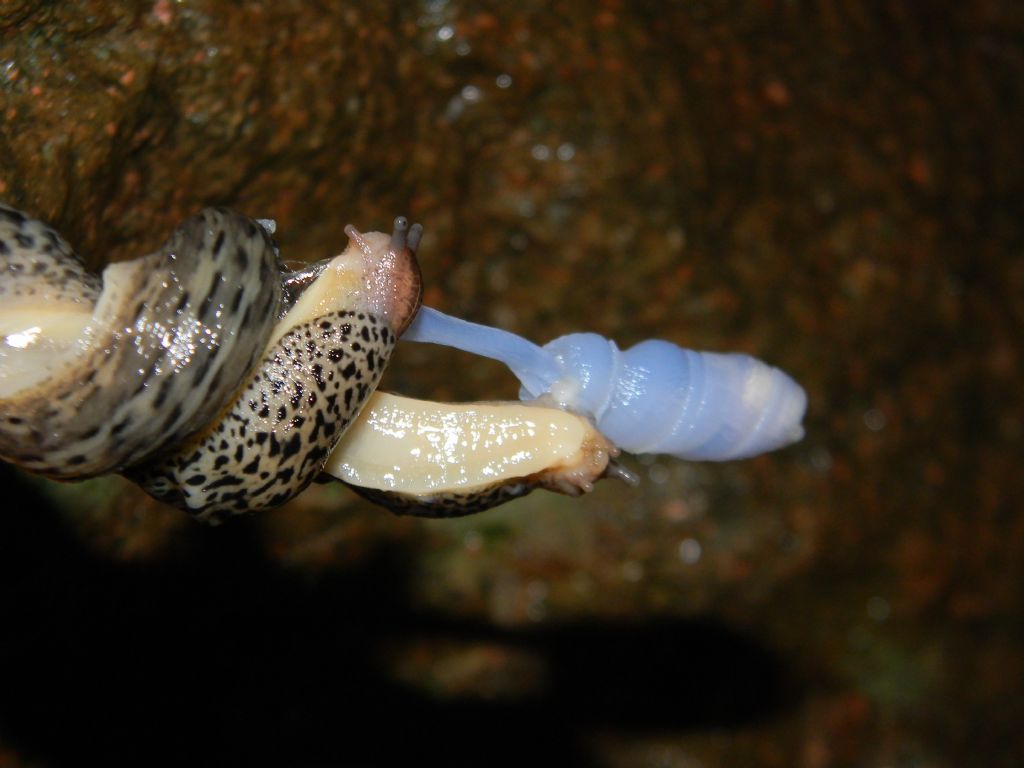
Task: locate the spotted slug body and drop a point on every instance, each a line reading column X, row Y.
column 135, row 362
column 203, row 371
column 275, row 438
column 38, row 264
column 450, row 503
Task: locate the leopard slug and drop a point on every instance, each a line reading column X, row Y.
column 203, row 371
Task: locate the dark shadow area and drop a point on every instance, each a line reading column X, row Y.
column 217, row 656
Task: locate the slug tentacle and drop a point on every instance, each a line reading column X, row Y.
column 392, row 282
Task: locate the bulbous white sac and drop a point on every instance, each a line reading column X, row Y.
column 657, row 397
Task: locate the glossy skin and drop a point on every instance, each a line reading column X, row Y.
column 166, row 339
column 447, row 460
column 154, row 338
column 200, row 370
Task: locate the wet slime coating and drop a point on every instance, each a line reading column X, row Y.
column 181, row 357
column 131, row 374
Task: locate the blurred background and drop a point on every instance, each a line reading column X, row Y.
column 835, row 187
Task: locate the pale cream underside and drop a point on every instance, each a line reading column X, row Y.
column 38, row 338
column 342, row 285
column 40, row 335
column 421, row 447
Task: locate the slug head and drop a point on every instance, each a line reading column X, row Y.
column 391, row 284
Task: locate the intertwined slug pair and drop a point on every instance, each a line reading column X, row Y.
column 222, row 383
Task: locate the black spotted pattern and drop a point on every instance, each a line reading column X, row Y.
column 441, row 505
column 275, row 439
column 36, row 262
column 174, row 335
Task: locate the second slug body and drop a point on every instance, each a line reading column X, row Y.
column 451, row 459
column 657, row 397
